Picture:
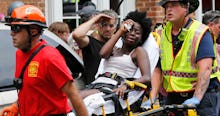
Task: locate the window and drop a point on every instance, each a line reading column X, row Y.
column 70, row 7
column 122, row 7
column 210, row 5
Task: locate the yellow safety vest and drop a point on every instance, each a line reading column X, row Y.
column 180, row 71
column 217, row 73
column 156, row 37
column 71, row 1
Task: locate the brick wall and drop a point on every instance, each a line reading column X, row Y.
column 153, row 10
column 4, row 4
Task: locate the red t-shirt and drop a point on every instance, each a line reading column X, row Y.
column 43, row 79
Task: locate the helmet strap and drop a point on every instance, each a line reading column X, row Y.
column 188, row 5
column 28, row 45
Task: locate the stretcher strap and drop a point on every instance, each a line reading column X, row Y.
column 100, row 86
column 114, row 76
column 118, row 108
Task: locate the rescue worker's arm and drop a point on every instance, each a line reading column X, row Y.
column 71, row 91
column 203, row 78
column 11, row 110
column 80, row 33
column 156, row 82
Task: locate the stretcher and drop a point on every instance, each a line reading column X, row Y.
column 97, row 105
column 125, row 106
column 168, row 110
column 103, row 104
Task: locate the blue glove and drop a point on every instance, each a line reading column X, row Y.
column 147, row 104
column 193, row 101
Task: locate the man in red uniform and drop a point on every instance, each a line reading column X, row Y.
column 47, row 83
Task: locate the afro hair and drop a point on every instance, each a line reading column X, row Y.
column 146, row 23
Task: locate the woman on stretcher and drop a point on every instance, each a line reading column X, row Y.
column 121, row 63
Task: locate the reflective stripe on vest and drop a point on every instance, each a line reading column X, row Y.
column 195, row 39
column 184, row 74
column 215, row 63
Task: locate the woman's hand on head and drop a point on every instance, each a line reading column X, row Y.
column 127, row 25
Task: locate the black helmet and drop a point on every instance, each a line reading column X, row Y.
column 193, row 4
column 13, row 6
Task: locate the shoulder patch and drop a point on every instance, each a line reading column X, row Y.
column 33, row 69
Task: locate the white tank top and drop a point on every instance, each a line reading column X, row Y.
column 122, row 65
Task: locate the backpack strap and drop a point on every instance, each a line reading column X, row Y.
column 18, row 81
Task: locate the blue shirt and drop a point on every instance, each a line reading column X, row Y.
column 205, row 49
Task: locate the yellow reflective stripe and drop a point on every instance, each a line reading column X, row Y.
column 157, row 37
column 72, row 1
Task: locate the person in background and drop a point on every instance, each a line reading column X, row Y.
column 61, row 29
column 121, row 63
column 124, row 61
column 106, row 23
column 187, row 60
column 212, row 19
column 2, row 16
column 88, row 11
column 46, row 84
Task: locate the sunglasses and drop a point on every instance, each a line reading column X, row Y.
column 17, row 28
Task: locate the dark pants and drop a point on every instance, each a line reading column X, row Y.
column 177, row 98
column 209, row 105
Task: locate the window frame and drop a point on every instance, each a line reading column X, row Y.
column 54, row 9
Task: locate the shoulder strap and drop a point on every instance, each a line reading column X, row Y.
column 29, row 59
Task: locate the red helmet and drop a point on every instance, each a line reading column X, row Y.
column 27, row 15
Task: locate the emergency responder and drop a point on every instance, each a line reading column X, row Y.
column 212, row 19
column 46, row 83
column 187, row 59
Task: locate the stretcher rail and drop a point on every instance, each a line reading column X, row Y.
column 167, row 108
